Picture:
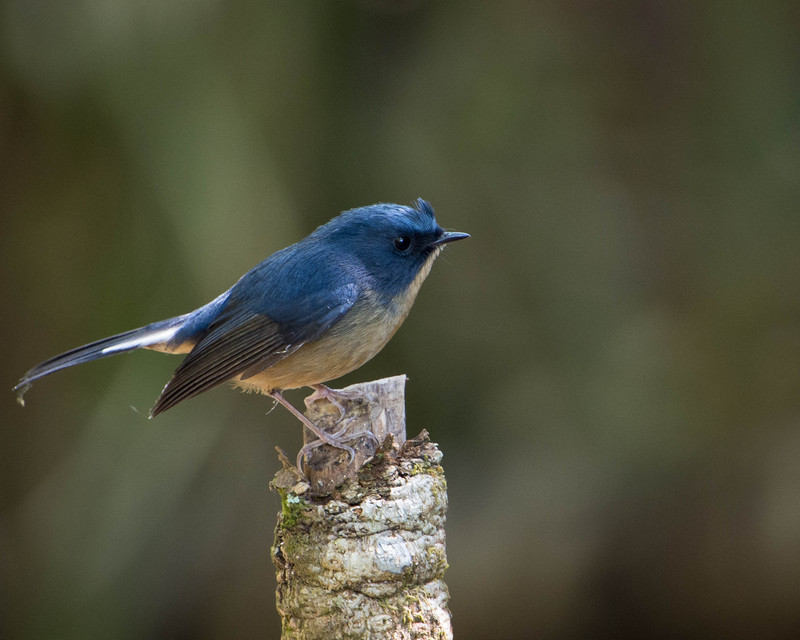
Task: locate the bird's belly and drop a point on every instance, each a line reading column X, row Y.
column 356, row 338
column 349, row 344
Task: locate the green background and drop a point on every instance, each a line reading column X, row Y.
column 611, row 364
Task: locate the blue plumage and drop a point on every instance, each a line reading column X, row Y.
column 307, row 314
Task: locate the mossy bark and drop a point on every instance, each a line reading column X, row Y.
column 367, row 558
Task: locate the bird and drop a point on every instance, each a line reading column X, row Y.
column 306, row 315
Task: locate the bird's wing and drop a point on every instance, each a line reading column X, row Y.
column 243, row 341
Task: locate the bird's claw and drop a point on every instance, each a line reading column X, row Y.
column 336, row 440
column 321, row 392
column 333, row 438
column 306, row 450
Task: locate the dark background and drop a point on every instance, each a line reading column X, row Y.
column 611, row 364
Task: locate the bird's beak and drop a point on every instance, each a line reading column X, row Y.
column 449, row 236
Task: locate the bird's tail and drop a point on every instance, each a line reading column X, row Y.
column 158, row 333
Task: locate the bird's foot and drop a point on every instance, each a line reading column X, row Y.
column 340, row 436
column 335, row 439
column 334, row 396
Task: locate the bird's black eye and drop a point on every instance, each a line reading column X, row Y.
column 402, row 243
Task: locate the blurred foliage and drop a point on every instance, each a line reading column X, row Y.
column 610, row 365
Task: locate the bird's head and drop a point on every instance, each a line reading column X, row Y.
column 393, row 243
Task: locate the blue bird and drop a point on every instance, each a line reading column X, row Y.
column 309, row 313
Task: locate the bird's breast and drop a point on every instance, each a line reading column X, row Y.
column 356, row 338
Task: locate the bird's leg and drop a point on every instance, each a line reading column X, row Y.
column 333, row 439
column 334, row 396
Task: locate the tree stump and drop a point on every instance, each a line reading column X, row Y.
column 364, row 558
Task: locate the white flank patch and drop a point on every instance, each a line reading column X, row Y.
column 150, row 338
